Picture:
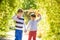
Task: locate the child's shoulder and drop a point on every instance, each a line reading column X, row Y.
column 29, row 21
column 22, row 18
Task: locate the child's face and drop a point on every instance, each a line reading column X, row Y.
column 20, row 14
column 32, row 18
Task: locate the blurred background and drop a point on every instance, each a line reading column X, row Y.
column 49, row 25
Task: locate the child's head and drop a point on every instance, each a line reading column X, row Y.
column 20, row 12
column 32, row 16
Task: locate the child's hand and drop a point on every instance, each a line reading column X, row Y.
column 38, row 15
column 25, row 31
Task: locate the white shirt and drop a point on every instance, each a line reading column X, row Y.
column 33, row 24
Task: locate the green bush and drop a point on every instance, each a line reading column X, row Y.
column 49, row 10
column 7, row 10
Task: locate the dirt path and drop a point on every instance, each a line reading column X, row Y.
column 12, row 36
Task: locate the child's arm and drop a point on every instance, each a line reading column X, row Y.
column 14, row 17
column 25, row 27
column 28, row 25
column 39, row 18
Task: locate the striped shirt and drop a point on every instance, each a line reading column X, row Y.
column 19, row 22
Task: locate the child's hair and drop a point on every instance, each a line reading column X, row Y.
column 20, row 10
column 33, row 15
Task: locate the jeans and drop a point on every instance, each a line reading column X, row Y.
column 18, row 34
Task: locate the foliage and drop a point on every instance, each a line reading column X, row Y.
column 27, row 4
column 52, row 27
column 7, row 9
column 49, row 10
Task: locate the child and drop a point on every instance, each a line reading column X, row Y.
column 19, row 24
column 32, row 24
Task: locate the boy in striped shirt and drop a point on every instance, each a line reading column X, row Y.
column 19, row 24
